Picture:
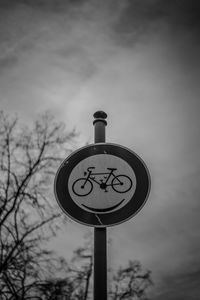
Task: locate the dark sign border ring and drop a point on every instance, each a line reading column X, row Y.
column 108, row 219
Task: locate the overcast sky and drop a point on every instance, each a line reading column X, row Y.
column 139, row 62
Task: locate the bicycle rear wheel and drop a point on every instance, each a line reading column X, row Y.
column 121, row 184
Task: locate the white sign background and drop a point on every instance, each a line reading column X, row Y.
column 97, row 198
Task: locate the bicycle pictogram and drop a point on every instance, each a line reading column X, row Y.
column 119, row 183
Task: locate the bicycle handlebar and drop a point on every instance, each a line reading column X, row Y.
column 89, row 168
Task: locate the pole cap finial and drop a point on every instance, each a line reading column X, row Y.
column 100, row 116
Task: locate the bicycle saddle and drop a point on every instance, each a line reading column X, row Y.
column 112, row 169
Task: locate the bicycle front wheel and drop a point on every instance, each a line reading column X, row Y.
column 82, row 187
column 121, row 184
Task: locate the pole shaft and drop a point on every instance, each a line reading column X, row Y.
column 100, row 234
column 100, row 264
column 99, row 132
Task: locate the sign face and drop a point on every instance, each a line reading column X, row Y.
column 102, row 185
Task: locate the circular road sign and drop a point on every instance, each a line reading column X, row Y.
column 102, row 184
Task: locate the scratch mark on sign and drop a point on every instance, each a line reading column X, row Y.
column 98, row 219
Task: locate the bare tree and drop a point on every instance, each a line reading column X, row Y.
column 28, row 217
column 130, row 282
column 81, row 271
column 75, row 282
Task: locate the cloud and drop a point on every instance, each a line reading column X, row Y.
column 180, row 286
column 8, row 62
column 140, row 17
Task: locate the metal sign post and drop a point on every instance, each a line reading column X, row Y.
column 100, row 234
column 101, row 185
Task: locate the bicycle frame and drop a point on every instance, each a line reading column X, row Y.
column 90, row 174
